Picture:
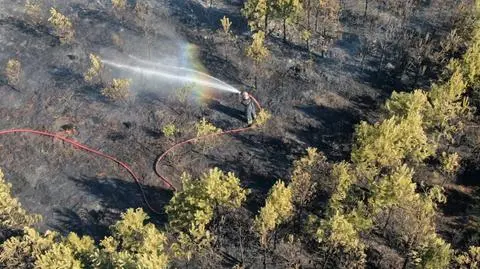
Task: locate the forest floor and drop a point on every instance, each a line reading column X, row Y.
column 315, row 105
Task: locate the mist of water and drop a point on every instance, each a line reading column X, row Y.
column 193, row 71
column 174, row 73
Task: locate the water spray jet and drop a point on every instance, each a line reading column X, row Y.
column 167, row 74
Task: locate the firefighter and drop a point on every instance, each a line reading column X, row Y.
column 249, row 105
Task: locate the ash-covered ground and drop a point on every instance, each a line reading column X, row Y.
column 312, row 105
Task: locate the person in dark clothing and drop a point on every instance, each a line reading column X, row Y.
column 249, row 105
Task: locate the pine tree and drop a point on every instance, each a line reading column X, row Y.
column 328, row 17
column 23, row 252
column 287, row 11
column 422, row 244
column 393, row 190
column 344, row 178
column 389, row 143
column 12, row 215
column 58, row 256
column 277, row 210
column 449, row 107
column 258, row 13
column 133, row 244
column 226, row 24
column 469, row 259
column 433, row 253
column 257, row 52
column 340, row 236
column 302, row 183
column 193, row 208
column 403, row 104
column 62, row 25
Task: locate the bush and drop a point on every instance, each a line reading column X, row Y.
column 96, row 67
column 33, row 10
column 192, row 209
column 23, row 252
column 142, row 10
column 257, row 50
column 118, row 41
column 262, row 117
column 117, row 90
column 13, row 71
column 62, row 25
column 169, row 130
column 450, row 162
column 277, row 210
column 12, row 215
column 206, row 128
column 119, row 4
column 469, row 259
column 133, row 244
column 390, row 143
column 181, row 94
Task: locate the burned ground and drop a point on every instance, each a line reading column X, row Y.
column 316, row 104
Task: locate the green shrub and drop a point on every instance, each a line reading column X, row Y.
column 95, row 69
column 62, row 25
column 192, row 209
column 12, row 215
column 469, row 259
column 277, row 210
column 117, row 90
column 13, row 71
column 33, row 10
column 389, row 143
column 169, row 130
column 119, row 4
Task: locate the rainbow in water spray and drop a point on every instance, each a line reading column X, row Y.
column 205, row 84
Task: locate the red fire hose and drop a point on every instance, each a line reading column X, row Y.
column 78, row 145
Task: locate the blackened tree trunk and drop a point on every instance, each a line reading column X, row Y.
column 365, row 13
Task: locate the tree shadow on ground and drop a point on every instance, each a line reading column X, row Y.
column 115, row 197
column 64, row 77
column 470, row 174
column 262, row 161
column 333, row 133
column 229, row 111
column 37, row 31
column 463, row 214
column 463, row 207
